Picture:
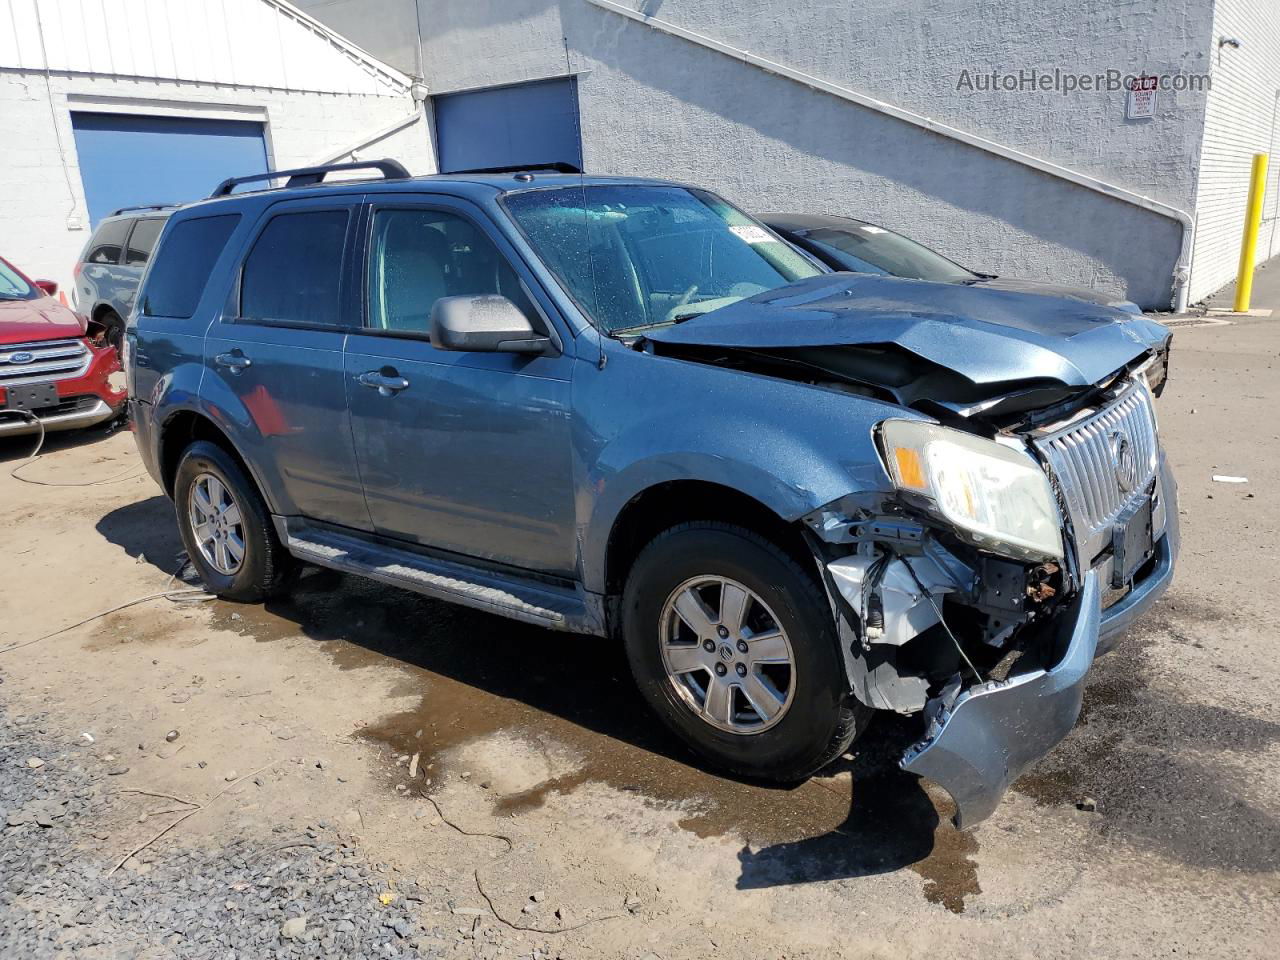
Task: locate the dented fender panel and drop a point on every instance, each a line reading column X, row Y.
column 996, row 730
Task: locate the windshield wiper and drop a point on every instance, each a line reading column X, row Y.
column 640, row 327
column 678, row 318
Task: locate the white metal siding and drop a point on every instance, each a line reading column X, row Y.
column 1240, row 120
column 252, row 43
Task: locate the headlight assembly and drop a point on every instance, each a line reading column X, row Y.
column 997, row 498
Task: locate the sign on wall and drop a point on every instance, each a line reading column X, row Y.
column 1141, row 104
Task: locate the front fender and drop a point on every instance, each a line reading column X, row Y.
column 647, row 420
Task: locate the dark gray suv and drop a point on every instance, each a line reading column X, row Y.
column 624, row 408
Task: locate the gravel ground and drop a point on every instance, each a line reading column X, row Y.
column 290, row 893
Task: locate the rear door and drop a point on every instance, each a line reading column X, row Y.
column 137, row 251
column 472, row 455
column 277, row 351
column 101, row 276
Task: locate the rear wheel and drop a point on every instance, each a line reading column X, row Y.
column 226, row 527
column 733, row 645
column 114, row 326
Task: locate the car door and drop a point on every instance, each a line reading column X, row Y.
column 100, row 274
column 276, row 354
column 459, row 451
column 137, row 250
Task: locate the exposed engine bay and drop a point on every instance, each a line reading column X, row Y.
column 924, row 613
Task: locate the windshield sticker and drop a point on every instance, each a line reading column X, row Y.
column 867, row 228
column 751, row 233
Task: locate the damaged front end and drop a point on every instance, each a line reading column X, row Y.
column 1028, row 516
column 989, row 637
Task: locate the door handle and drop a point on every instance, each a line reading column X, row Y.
column 387, row 384
column 234, row 361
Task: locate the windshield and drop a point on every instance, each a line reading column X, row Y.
column 13, row 286
column 634, row 256
column 866, row 248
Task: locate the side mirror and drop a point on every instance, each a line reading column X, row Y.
column 488, row 323
column 48, row 286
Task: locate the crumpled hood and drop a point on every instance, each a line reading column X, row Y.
column 26, row 321
column 986, row 335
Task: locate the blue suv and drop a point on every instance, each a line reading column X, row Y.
column 625, row 408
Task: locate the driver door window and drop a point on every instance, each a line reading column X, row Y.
column 417, row 256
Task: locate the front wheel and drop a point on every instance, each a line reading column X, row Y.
column 733, row 645
column 226, row 527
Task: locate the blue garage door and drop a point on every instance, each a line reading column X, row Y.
column 530, row 123
column 129, row 160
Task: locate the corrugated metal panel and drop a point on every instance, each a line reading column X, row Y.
column 257, row 43
column 1240, row 120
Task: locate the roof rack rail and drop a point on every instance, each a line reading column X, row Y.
column 144, row 206
column 307, row 176
column 556, row 166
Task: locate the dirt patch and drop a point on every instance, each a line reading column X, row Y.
column 483, row 682
column 1152, row 759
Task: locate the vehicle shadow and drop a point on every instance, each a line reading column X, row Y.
column 583, row 686
column 891, row 824
column 145, row 530
column 480, row 674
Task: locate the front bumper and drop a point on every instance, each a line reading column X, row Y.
column 84, row 400
column 92, row 412
column 996, row 730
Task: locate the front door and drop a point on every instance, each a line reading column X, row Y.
column 277, row 353
column 467, row 452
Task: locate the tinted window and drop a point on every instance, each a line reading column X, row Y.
column 107, row 241
column 419, row 256
column 177, row 279
column 142, row 241
column 293, row 273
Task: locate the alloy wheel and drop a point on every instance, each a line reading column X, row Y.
column 217, row 524
column 726, row 655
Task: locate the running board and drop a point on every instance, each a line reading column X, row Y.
column 543, row 604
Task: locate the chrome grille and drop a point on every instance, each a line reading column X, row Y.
column 1083, row 457
column 50, row 360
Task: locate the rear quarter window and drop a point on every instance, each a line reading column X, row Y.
column 108, row 241
column 180, row 272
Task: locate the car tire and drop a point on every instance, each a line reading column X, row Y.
column 819, row 719
column 207, row 473
column 114, row 327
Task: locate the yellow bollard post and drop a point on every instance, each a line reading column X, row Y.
column 1249, row 245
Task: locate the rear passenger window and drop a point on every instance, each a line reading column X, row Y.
column 293, row 273
column 177, row 279
column 107, row 242
column 142, row 241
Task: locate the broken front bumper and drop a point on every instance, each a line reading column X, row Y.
column 994, row 731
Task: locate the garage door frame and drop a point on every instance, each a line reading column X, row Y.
column 180, row 109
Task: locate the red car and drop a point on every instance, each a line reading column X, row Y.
column 54, row 365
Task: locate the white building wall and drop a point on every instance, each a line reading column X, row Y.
column 254, row 43
column 43, row 215
column 1240, row 120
